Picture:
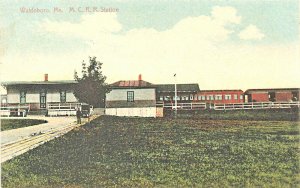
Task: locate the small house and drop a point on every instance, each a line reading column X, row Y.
column 132, row 98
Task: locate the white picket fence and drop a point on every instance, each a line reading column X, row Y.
column 62, row 109
column 17, row 110
column 229, row 106
column 255, row 105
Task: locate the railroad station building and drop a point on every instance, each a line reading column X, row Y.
column 38, row 94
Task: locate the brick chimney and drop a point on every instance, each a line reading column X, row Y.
column 46, row 77
column 140, row 79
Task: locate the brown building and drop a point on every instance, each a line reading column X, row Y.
column 185, row 92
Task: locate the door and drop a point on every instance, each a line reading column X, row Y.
column 43, row 99
column 272, row 96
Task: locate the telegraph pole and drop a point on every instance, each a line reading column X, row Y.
column 175, row 95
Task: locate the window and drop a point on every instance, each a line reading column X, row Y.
column 161, row 98
column 191, row 97
column 22, row 97
column 199, row 97
column 218, row 97
column 185, row 98
column 210, row 97
column 203, row 97
column 241, row 97
column 235, row 96
column 130, row 96
column 63, row 97
column 207, row 97
column 227, row 97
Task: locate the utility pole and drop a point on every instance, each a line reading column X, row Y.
column 175, row 95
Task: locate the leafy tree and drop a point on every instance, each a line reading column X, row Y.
column 91, row 87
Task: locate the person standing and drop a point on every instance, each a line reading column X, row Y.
column 78, row 115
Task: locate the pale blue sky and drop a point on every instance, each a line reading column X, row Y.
column 276, row 20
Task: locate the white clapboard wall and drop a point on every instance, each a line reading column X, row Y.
column 132, row 112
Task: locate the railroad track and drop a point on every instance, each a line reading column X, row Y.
column 11, row 150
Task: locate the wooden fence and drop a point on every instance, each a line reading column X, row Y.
column 255, row 105
column 17, row 110
column 229, row 106
column 62, row 109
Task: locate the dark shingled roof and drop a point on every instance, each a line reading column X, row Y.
column 39, row 82
column 222, row 90
column 180, row 87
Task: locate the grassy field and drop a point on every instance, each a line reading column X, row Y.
column 263, row 115
column 7, row 124
column 146, row 152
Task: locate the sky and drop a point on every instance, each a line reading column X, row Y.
column 219, row 44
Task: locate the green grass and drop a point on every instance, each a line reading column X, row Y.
column 263, row 115
column 146, row 152
column 7, row 124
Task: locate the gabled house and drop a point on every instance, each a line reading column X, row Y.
column 132, row 98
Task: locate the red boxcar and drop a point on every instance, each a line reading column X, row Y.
column 274, row 95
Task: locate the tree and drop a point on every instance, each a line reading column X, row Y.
column 91, row 87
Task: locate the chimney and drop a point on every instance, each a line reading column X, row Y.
column 140, row 80
column 46, row 77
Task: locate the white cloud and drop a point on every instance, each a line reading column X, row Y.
column 251, row 33
column 226, row 15
column 195, row 48
column 90, row 26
